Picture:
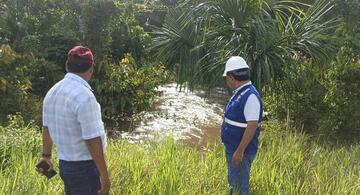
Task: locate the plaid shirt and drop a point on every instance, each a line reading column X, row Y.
column 73, row 115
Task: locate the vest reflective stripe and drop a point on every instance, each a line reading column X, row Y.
column 237, row 124
column 246, row 90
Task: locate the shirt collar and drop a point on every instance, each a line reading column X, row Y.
column 77, row 78
column 242, row 86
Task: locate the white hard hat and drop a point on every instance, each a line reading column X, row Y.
column 235, row 63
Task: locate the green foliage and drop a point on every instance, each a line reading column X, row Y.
column 348, row 32
column 323, row 97
column 343, row 95
column 55, row 47
column 20, row 144
column 299, row 97
column 15, row 85
column 129, row 37
column 127, row 88
column 42, row 31
column 157, row 169
column 28, row 25
column 291, row 162
column 287, row 163
column 268, row 34
column 289, row 46
column 18, row 137
column 96, row 16
column 178, row 43
column 43, row 74
column 320, row 99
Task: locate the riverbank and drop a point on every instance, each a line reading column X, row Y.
column 288, row 163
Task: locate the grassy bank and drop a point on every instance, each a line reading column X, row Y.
column 288, row 163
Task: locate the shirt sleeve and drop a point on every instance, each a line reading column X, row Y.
column 89, row 117
column 45, row 114
column 252, row 108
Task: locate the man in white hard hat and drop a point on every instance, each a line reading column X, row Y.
column 241, row 125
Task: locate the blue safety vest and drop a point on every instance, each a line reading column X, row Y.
column 234, row 123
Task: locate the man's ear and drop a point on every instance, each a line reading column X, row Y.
column 231, row 77
column 66, row 67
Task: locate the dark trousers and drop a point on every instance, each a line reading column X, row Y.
column 80, row 177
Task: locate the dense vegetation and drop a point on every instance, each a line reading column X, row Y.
column 304, row 56
column 36, row 35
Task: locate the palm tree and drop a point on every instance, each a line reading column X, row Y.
column 178, row 43
column 268, row 34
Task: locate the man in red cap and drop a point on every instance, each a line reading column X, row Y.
column 72, row 121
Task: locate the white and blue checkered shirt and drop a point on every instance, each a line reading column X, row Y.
column 73, row 115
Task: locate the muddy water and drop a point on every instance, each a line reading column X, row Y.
column 191, row 117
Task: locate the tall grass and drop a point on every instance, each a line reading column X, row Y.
column 293, row 163
column 287, row 163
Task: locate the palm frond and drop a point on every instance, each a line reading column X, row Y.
column 268, row 34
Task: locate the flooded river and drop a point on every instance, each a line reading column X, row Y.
column 191, row 117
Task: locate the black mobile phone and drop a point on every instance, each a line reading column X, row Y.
column 50, row 174
column 45, row 166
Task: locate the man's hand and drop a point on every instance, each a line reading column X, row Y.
column 105, row 184
column 246, row 139
column 237, row 157
column 46, row 150
column 94, row 146
column 48, row 161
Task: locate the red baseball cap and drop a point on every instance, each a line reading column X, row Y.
column 80, row 55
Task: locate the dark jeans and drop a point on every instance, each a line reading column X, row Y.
column 239, row 176
column 80, row 177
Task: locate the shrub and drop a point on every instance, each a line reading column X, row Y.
column 320, row 99
column 342, row 95
column 299, row 97
column 15, row 85
column 126, row 88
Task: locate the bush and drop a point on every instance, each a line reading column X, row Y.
column 15, row 86
column 343, row 95
column 125, row 88
column 299, row 97
column 320, row 99
column 41, row 33
column 129, row 37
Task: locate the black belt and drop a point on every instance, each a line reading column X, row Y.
column 77, row 162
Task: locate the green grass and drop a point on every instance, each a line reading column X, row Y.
column 287, row 163
column 292, row 163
